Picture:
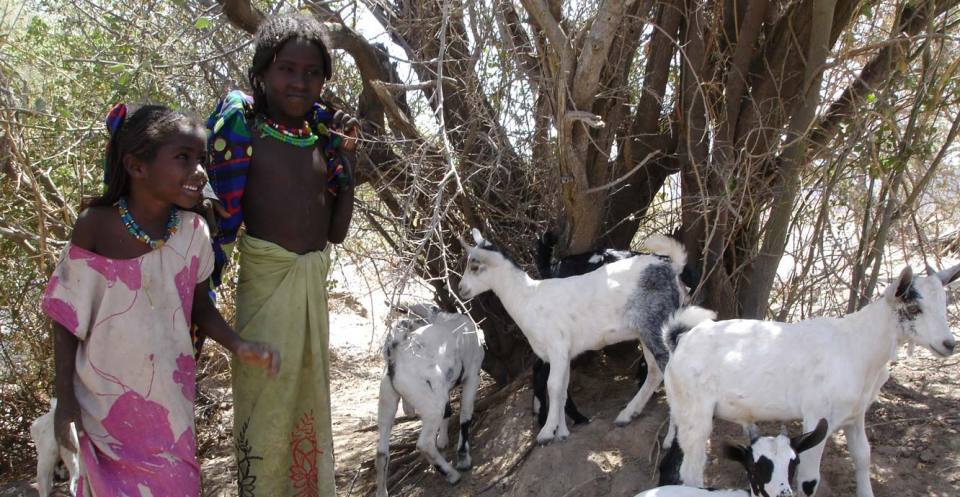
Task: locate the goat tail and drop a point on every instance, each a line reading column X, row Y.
column 670, row 247
column 682, row 321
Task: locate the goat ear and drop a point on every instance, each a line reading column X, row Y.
column 477, row 237
column 905, row 282
column 948, row 275
column 811, row 439
column 739, row 453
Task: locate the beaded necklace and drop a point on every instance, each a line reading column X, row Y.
column 298, row 137
column 172, row 223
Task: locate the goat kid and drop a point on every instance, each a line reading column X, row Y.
column 627, row 299
column 770, row 463
column 749, row 370
column 426, row 356
column 50, row 454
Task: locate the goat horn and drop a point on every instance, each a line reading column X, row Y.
column 930, row 270
column 463, row 243
column 948, row 275
column 477, row 237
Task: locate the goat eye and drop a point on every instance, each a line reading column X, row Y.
column 913, row 309
column 474, row 267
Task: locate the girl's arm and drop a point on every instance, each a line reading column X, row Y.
column 343, row 204
column 68, row 409
column 206, row 316
column 342, row 210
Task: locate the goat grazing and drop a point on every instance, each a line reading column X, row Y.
column 770, row 463
column 749, row 370
column 561, row 318
column 426, row 355
column 50, row 454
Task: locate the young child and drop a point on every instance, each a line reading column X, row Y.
column 122, row 298
column 277, row 166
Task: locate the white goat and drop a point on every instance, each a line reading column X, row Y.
column 50, row 453
column 426, row 356
column 562, row 317
column 748, row 370
column 770, row 463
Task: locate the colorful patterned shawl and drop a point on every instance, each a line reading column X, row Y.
column 230, row 144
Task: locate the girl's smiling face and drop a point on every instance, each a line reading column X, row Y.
column 294, row 81
column 176, row 173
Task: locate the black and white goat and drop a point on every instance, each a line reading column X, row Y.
column 770, row 463
column 574, row 265
column 624, row 300
column 427, row 354
column 50, row 454
column 748, row 370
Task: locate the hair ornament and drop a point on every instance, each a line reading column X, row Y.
column 115, row 118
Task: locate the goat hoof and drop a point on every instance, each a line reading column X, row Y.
column 620, row 423
column 464, row 464
column 453, row 477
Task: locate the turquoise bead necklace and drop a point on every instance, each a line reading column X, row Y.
column 172, row 223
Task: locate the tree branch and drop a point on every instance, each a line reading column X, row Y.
column 242, row 14
column 521, row 47
column 910, row 21
column 593, row 56
column 549, row 24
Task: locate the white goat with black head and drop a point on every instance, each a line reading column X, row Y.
column 749, row 370
column 427, row 354
column 771, row 463
column 623, row 300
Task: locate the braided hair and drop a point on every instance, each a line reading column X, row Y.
column 271, row 37
column 140, row 135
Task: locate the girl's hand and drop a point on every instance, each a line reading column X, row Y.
column 260, row 355
column 349, row 130
column 68, row 411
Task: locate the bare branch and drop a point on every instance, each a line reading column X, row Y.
column 609, row 21
column 550, row 26
column 242, row 14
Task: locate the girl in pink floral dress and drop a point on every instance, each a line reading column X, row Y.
column 127, row 288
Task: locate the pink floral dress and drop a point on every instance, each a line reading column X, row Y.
column 134, row 368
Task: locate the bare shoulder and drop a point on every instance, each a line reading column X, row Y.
column 90, row 225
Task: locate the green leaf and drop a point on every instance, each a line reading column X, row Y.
column 203, row 22
column 871, row 98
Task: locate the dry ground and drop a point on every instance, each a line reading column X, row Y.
column 913, row 429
